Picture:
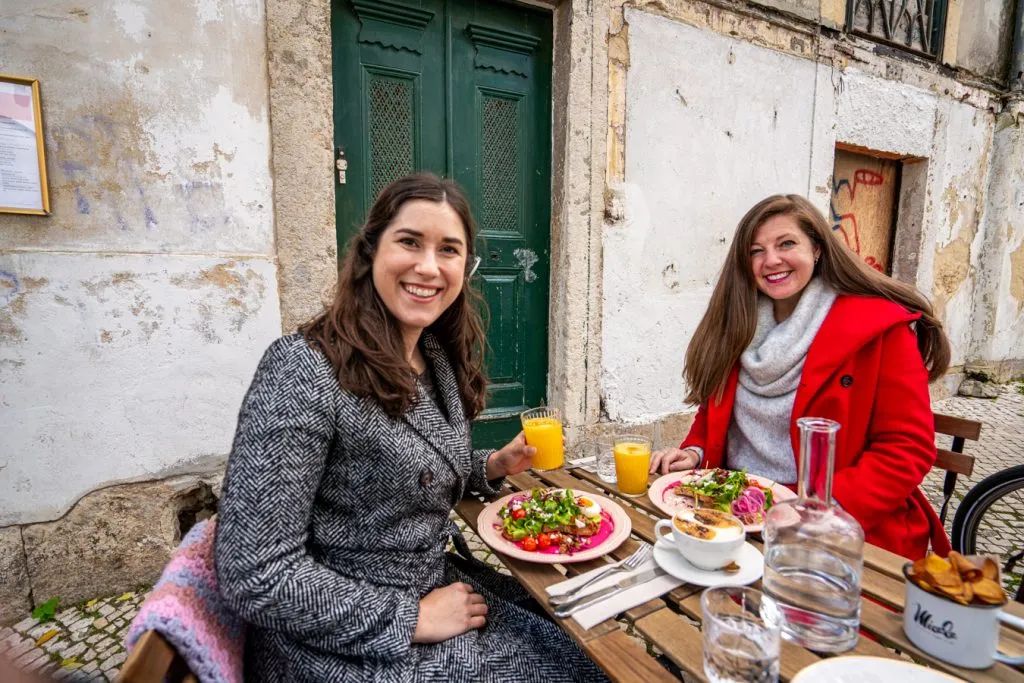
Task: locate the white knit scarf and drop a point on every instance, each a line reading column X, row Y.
column 770, row 371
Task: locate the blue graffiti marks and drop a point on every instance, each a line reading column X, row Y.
column 151, row 221
column 200, row 194
column 81, row 203
column 9, row 287
column 100, row 168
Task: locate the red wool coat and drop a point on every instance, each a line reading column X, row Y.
column 864, row 371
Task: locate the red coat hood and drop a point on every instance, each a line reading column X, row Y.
column 852, row 323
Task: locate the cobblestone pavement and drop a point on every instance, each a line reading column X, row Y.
column 82, row 643
column 85, row 642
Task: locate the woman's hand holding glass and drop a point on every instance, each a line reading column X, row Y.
column 515, row 457
column 674, row 460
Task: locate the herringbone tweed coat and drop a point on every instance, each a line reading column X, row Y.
column 334, row 521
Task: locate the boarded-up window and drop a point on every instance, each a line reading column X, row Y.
column 864, row 196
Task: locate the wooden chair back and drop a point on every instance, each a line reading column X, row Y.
column 954, row 461
column 154, row 660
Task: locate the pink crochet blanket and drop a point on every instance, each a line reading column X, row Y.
column 185, row 608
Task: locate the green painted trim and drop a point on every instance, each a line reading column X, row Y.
column 392, row 13
column 502, row 39
column 391, row 25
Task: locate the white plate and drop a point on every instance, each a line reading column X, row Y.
column 751, row 564
column 488, row 525
column 869, row 670
column 668, row 502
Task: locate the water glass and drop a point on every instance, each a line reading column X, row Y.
column 603, row 450
column 741, row 635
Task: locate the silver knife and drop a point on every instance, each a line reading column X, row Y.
column 585, row 601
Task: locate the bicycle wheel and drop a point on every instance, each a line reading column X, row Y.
column 990, row 521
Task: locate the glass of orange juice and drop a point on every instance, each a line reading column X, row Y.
column 543, row 430
column 632, row 462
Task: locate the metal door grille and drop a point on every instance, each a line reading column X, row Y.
column 391, row 131
column 912, row 24
column 500, row 144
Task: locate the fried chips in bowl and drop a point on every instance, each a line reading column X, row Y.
column 967, row 581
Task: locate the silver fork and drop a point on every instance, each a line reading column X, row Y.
column 627, row 565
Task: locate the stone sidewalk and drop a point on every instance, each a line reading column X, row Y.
column 85, row 642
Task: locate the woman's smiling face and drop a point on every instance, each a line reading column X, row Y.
column 782, row 259
column 420, row 264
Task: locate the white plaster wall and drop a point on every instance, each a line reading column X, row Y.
column 953, row 138
column 999, row 299
column 121, row 367
column 883, row 115
column 156, row 123
column 132, row 318
column 953, row 236
column 712, row 126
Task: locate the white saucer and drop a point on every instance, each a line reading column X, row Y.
column 750, row 560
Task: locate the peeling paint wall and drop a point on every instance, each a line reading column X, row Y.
column 805, row 9
column 132, row 318
column 984, row 37
column 958, row 172
column 999, row 300
column 696, row 160
column 715, row 120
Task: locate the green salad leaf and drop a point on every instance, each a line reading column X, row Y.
column 542, row 511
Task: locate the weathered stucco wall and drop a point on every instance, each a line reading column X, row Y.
column 713, row 124
column 984, row 37
column 132, row 318
column 999, row 301
column 695, row 162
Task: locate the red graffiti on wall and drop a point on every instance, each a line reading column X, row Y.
column 862, row 176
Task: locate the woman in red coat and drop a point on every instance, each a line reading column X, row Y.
column 799, row 326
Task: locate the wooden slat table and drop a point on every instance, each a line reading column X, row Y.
column 672, row 623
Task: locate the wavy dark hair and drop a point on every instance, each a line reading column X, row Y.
column 361, row 337
column 730, row 321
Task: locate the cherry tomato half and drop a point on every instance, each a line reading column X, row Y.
column 518, row 514
column 543, row 541
column 530, row 543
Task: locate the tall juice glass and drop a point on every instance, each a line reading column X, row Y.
column 543, row 430
column 632, row 462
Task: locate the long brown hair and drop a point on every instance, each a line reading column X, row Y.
column 361, row 337
column 729, row 324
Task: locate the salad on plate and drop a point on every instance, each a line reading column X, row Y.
column 554, row 521
column 730, row 491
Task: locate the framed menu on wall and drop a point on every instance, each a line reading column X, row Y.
column 22, row 158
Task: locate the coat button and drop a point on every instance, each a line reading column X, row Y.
column 846, row 381
column 426, row 478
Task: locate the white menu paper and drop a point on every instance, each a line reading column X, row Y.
column 21, row 181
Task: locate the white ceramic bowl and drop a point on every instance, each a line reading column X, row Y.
column 709, row 555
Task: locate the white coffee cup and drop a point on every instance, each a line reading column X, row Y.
column 963, row 635
column 708, row 554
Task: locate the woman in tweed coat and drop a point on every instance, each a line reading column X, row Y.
column 353, row 444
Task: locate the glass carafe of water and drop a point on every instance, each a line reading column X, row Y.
column 814, row 551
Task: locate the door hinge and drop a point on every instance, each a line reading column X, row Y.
column 341, row 163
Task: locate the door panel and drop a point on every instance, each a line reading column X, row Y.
column 461, row 88
column 388, row 63
column 864, row 202
column 501, row 90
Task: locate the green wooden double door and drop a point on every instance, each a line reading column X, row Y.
column 461, row 88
